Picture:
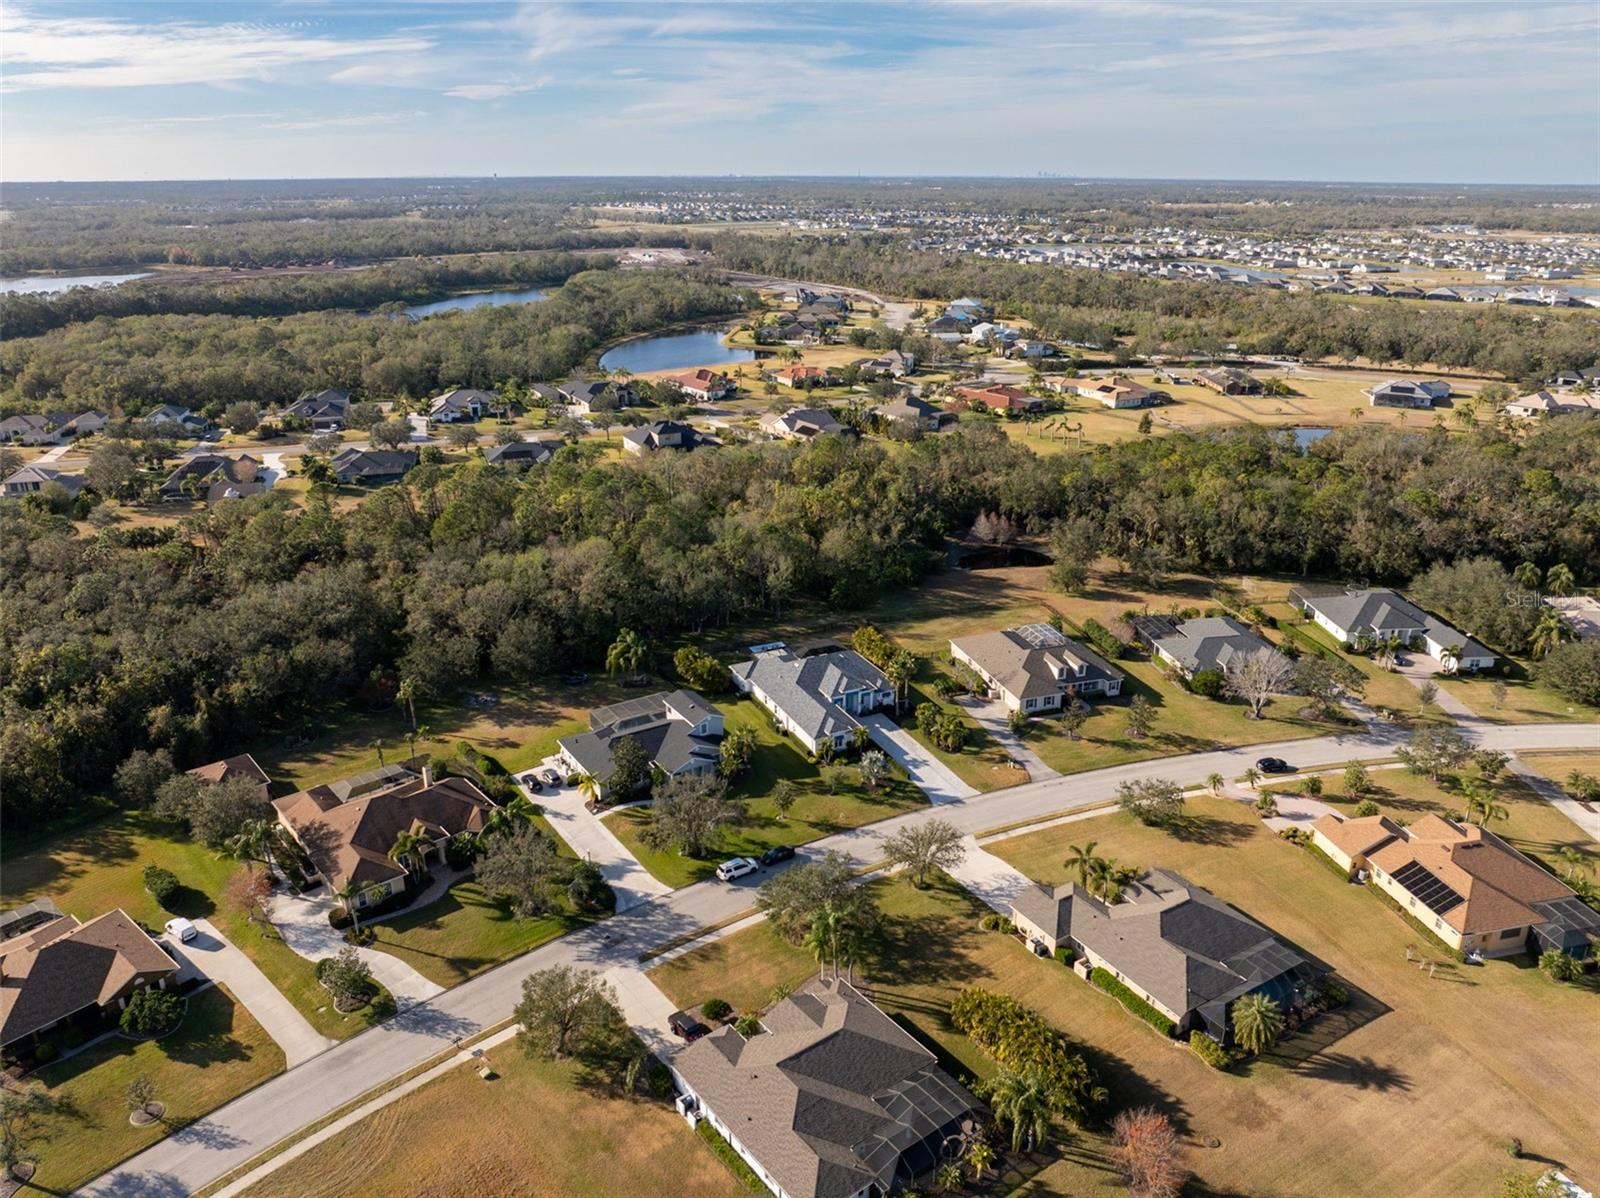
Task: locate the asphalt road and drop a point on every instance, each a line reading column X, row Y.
column 232, row 1135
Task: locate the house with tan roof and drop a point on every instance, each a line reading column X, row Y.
column 1035, row 668
column 702, row 385
column 242, row 766
column 1467, row 886
column 347, row 828
column 64, row 970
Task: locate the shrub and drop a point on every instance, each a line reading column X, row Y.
column 1065, row 955
column 1334, row 994
column 1102, row 638
column 716, row 1008
column 1311, row 786
column 1207, row 683
column 348, row 978
column 991, row 922
column 151, row 1012
column 1266, row 804
column 73, row 1036
column 1209, row 1051
column 44, row 1053
column 748, row 1025
column 1103, row 980
column 163, row 885
column 1558, row 966
column 1020, row 1039
column 1365, row 808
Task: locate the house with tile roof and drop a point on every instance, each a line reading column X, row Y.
column 702, row 385
column 1035, row 668
column 1001, row 397
column 1174, row 944
column 1463, row 883
column 63, row 970
column 679, row 731
column 1371, row 617
column 818, row 695
column 830, row 1099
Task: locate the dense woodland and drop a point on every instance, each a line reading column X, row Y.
column 256, row 618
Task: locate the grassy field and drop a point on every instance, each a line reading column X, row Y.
column 1526, row 701
column 216, row 1054
column 815, row 814
column 539, row 1129
column 91, row 870
column 1556, row 766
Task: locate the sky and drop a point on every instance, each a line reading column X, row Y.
column 1219, row 89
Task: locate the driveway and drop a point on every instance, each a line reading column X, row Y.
column 212, row 955
column 591, row 839
column 302, row 919
column 990, row 878
column 993, row 716
column 1419, row 671
column 935, row 779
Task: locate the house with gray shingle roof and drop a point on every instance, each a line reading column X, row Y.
column 1208, row 644
column 831, row 1099
column 31, row 479
column 1174, row 944
column 816, row 696
column 1034, row 668
column 679, row 731
column 1368, row 618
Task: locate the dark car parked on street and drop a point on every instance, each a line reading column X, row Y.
column 1274, row 765
column 776, row 854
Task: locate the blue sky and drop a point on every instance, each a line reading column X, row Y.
column 140, row 89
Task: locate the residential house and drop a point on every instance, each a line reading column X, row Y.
column 1588, row 376
column 1001, row 397
column 463, row 403
column 1580, row 612
column 324, row 411
column 1447, row 295
column 62, row 970
column 580, row 395
column 804, row 376
column 86, row 424
column 1121, row 393
column 372, row 467
column 803, row 424
column 1208, row 644
column 832, row 1099
column 242, row 766
column 1229, row 380
column 214, row 476
column 1545, row 403
column 1371, row 617
column 893, row 363
column 348, row 828
column 178, row 421
column 949, row 328
column 1408, row 393
column 971, row 309
column 1030, row 347
column 702, row 386
column 31, row 479
column 817, row 695
column 31, row 429
column 679, row 731
column 1463, row 883
column 521, row 454
column 1174, row 944
column 664, row 434
column 918, row 413
column 1035, row 668
column 986, row 333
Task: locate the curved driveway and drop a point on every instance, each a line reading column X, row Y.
column 233, row 1134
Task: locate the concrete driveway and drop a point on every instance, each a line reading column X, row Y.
column 932, row 776
column 992, row 715
column 990, row 878
column 212, row 955
column 591, row 839
column 302, row 919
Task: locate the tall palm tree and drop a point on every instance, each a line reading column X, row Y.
column 1550, row 631
column 377, row 744
column 508, row 815
column 1024, row 1101
column 1481, row 807
column 1558, row 579
column 257, row 840
column 409, row 850
column 822, row 938
column 347, row 895
column 589, row 788
column 627, row 653
column 1526, row 576
column 1576, row 861
column 1084, row 861
column 406, row 696
column 1257, row 1022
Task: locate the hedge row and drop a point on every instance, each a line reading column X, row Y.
column 1020, row 1039
column 1103, row 980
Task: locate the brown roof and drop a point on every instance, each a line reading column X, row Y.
column 1357, row 837
column 59, row 969
column 349, row 841
column 231, row 767
column 1496, row 884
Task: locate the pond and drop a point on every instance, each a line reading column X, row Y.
column 673, row 351
column 476, row 299
column 1303, row 437
column 55, row 284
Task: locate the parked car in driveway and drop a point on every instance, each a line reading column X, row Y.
column 1274, row 765
column 551, row 779
column 686, row 1026
column 182, row 930
column 730, row 871
column 777, row 854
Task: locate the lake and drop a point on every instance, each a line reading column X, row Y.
column 673, row 351
column 55, row 284
column 477, row 299
column 1303, row 437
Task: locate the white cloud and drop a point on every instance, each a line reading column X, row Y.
column 488, row 91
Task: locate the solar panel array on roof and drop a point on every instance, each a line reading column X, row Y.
column 1433, row 894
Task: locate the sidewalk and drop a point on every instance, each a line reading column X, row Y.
column 1548, row 790
column 589, row 837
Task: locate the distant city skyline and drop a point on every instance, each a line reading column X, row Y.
column 1351, row 92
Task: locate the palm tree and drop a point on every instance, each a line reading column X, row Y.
column 980, row 1156
column 406, row 696
column 1481, row 807
column 409, row 850
column 347, row 894
column 509, row 814
column 258, row 840
column 1575, row 859
column 1108, row 879
column 1084, row 861
column 948, row 1177
column 1252, row 776
column 1025, row 1102
column 822, row 938
column 899, row 670
column 1451, row 658
column 627, row 653
column 1526, row 576
column 414, row 736
column 1558, row 579
column 1550, row 631
column 377, row 744
column 1257, row 1022
column 589, row 788
column 1216, row 782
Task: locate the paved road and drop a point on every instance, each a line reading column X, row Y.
column 936, row 780
column 213, row 955
column 237, row 1132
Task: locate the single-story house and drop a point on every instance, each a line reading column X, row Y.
column 1001, row 397
column 803, row 376
column 1463, row 883
column 1035, row 668
column 242, row 766
column 62, row 968
column 1581, row 613
column 817, row 695
column 579, row 395
column 1118, row 392
column 324, row 410
column 1230, row 380
column 831, row 1099
column 892, row 362
column 372, row 467
column 972, row 309
column 198, row 476
column 703, row 386
column 802, row 424
column 1586, row 377
column 996, row 334
column 85, row 424
column 31, row 479
column 463, row 403
column 520, row 454
column 348, row 828
column 913, row 411
column 31, row 429
column 1174, row 944
column 1545, row 403
column 1030, row 347
column 1208, row 644
column 679, row 731
column 664, row 434
column 178, row 420
column 1368, row 618
column 1408, row 393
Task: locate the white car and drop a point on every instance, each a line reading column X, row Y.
column 182, row 929
column 729, row 871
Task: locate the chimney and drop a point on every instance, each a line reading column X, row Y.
column 427, row 774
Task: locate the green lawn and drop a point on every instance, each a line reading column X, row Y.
column 216, row 1054
column 1526, row 701
column 1384, row 689
column 981, row 762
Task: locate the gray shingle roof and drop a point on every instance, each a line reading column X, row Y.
column 1381, row 613
column 1211, row 643
column 807, row 689
column 662, row 724
column 1025, row 660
